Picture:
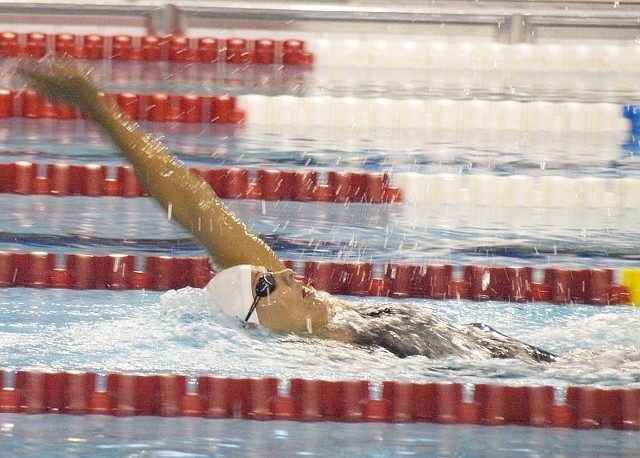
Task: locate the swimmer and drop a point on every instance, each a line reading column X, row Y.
column 253, row 284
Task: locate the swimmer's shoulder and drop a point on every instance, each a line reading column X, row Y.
column 338, row 334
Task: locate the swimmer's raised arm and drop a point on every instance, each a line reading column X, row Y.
column 185, row 196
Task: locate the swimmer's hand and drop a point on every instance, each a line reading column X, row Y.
column 62, row 80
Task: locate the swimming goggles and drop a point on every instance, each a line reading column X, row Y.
column 265, row 286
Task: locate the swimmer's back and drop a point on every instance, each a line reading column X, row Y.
column 410, row 331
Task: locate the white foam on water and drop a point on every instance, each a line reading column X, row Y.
column 182, row 332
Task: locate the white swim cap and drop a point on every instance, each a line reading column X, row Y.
column 232, row 291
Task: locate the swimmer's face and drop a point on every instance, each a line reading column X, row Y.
column 292, row 306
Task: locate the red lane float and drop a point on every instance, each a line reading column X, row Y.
column 25, row 174
column 218, row 396
column 33, row 269
column 36, row 45
column 172, row 48
column 42, row 392
column 353, row 278
column 179, row 50
column 232, row 183
column 93, row 47
column 401, row 397
column 129, row 103
column 336, row 401
column 77, row 393
column 512, row 284
column 264, row 52
column 7, row 177
column 499, row 283
column 65, row 44
column 149, row 50
column 130, row 185
column 190, row 108
column 159, row 395
column 307, row 399
column 237, row 52
column 113, row 271
column 155, row 107
column 121, row 47
column 6, row 103
column 293, row 53
column 223, row 110
column 117, row 271
column 9, row 44
column 208, row 50
column 527, row 406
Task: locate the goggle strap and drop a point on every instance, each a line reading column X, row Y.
column 251, row 310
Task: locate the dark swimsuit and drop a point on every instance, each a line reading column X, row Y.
column 408, row 331
column 537, row 353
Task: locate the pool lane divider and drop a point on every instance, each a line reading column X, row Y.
column 434, row 117
column 228, row 183
column 97, row 180
column 154, row 107
column 173, row 395
column 544, row 191
column 438, row 119
column 430, row 281
column 442, row 60
column 152, row 48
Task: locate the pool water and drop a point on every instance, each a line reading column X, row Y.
column 179, row 331
column 151, row 332
column 100, row 436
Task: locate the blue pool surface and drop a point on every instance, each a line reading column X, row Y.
column 179, row 331
column 150, row 332
column 105, row 437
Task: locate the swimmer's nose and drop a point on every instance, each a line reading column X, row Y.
column 286, row 276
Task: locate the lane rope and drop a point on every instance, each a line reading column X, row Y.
column 172, row 395
column 94, row 180
column 513, row 191
column 429, row 281
column 151, row 48
column 154, row 107
column 263, row 399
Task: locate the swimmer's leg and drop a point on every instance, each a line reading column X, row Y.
column 538, row 354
